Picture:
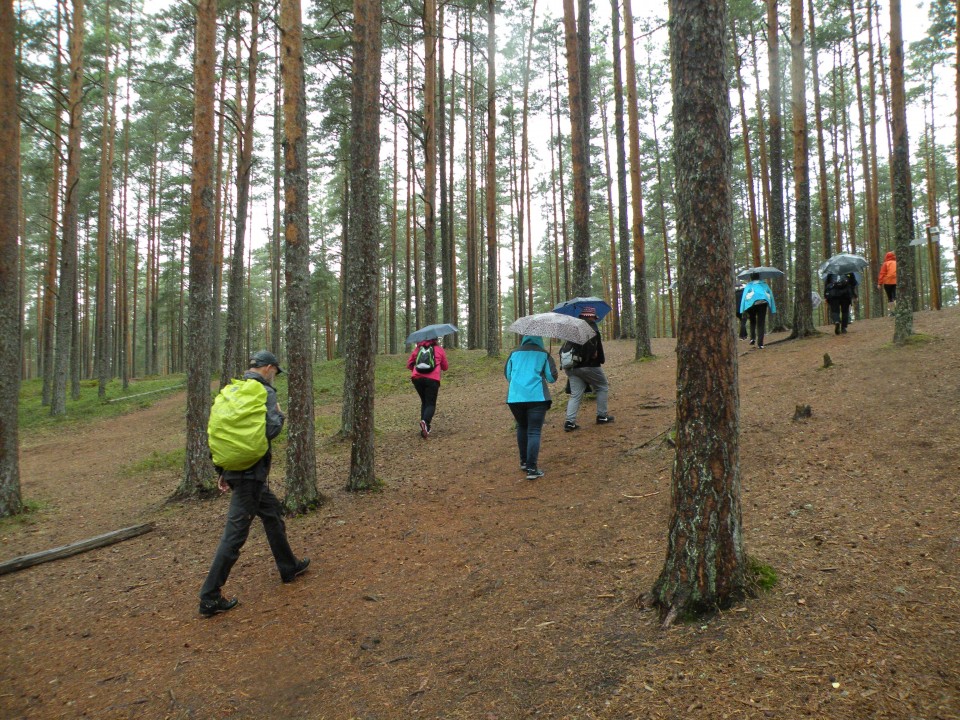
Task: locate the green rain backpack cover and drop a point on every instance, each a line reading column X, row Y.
column 237, row 431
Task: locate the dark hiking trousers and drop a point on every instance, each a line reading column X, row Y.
column 840, row 312
column 529, row 417
column 757, row 313
column 427, row 389
column 251, row 498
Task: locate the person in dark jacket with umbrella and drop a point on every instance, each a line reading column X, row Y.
column 426, row 363
column 588, row 373
column 840, row 291
column 529, row 368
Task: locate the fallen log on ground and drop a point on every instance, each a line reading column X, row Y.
column 115, row 536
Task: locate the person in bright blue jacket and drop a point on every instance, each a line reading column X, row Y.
column 757, row 297
column 529, row 368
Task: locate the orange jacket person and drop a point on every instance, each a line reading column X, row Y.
column 887, row 279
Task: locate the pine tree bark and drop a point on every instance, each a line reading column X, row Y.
column 103, row 343
column 301, row 479
column 777, row 233
column 580, row 153
column 902, row 204
column 493, row 294
column 446, row 234
column 67, row 294
column 429, row 296
column 48, row 327
column 197, row 469
column 754, row 226
column 802, row 306
column 233, row 364
column 705, row 564
column 627, row 325
column 636, row 193
column 823, row 191
column 10, row 343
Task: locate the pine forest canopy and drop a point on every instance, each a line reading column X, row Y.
column 132, row 167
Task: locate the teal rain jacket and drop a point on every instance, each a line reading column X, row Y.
column 529, row 368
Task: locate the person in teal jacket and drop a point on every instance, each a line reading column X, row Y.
column 757, row 297
column 529, row 368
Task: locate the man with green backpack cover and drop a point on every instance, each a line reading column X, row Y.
column 244, row 419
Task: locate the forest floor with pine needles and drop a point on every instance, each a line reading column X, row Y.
column 463, row 590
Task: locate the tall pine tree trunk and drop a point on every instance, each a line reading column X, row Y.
column 104, row 321
column 823, row 191
column 580, row 151
column 301, row 480
column 429, row 297
column 48, row 327
column 10, row 500
column 627, row 326
column 705, row 564
column 777, row 235
column 902, row 204
column 493, row 295
column 636, row 193
column 197, row 468
column 802, row 306
column 67, row 295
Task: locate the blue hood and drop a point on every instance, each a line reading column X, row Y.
column 534, row 339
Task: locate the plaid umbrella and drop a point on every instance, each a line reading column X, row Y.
column 554, row 325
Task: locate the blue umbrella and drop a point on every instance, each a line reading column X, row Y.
column 430, row 332
column 575, row 306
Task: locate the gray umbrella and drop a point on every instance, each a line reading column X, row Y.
column 554, row 325
column 765, row 273
column 430, row 332
column 841, row 264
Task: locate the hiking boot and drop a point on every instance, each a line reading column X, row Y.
column 523, row 466
column 759, row 347
column 752, row 341
column 836, row 328
column 300, row 570
column 843, row 330
column 570, row 426
column 424, row 430
column 221, row 604
column 534, row 473
column 604, row 419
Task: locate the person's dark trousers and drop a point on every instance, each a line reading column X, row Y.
column 742, row 318
column 427, row 389
column 758, row 321
column 840, row 313
column 529, row 417
column 251, row 498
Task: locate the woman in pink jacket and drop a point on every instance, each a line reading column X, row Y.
column 426, row 363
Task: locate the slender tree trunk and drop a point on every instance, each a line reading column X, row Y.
column 446, row 231
column 902, row 205
column 220, row 214
column 301, row 479
column 394, row 220
column 10, row 338
column 429, row 297
column 762, row 134
column 877, row 304
column 662, row 203
column 276, row 243
column 627, row 325
column 705, row 564
column 636, row 193
column 563, row 193
column 233, row 364
column 48, row 327
column 67, row 295
column 580, row 149
column 777, row 238
column 493, row 295
column 754, row 226
column 802, row 307
column 824, row 193
column 614, row 288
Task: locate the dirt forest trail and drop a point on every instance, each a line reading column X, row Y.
column 465, row 591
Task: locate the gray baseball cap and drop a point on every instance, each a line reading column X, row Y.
column 262, row 358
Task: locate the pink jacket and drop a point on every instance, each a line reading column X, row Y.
column 438, row 355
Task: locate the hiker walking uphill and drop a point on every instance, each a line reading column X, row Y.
column 585, row 370
column 887, row 279
column 245, row 418
column 757, row 297
column 840, row 291
column 426, row 363
column 529, row 368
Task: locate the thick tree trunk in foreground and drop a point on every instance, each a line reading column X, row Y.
column 364, row 238
column 10, row 502
column 301, row 480
column 902, row 205
column 197, row 468
column 705, row 566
